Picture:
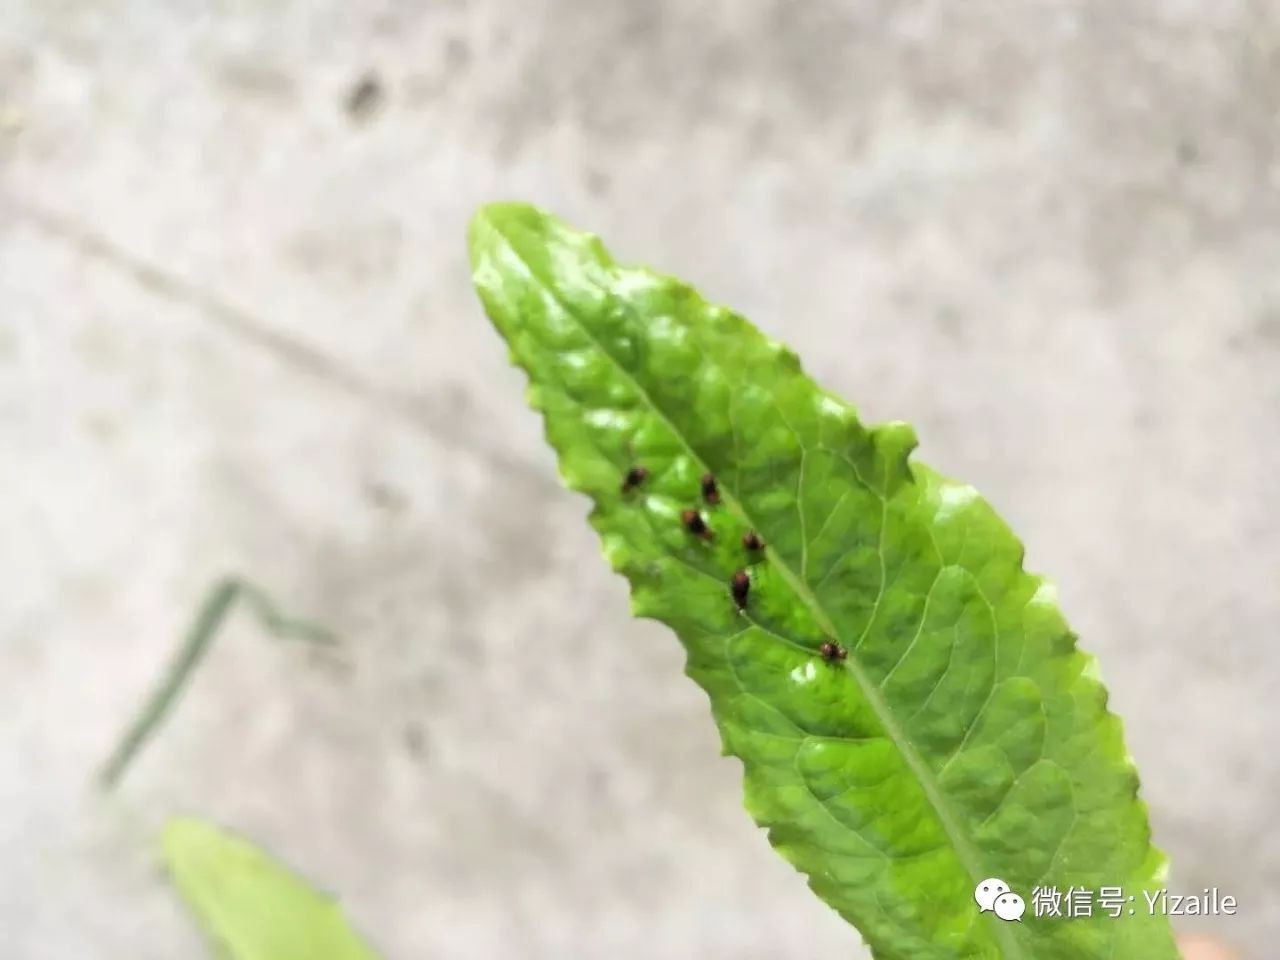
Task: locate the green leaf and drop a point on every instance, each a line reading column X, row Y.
column 251, row 907
column 964, row 737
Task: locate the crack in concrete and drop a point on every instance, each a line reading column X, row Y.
column 259, row 334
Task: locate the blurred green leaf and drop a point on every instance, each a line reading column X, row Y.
column 250, row 906
column 964, row 737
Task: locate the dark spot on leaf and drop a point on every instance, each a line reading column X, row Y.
column 751, row 540
column 634, row 477
column 710, row 492
column 693, row 521
column 740, row 586
column 832, row 651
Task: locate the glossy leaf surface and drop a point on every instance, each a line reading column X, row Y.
column 963, row 737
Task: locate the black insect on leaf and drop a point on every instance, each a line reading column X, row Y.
column 634, row 476
column 695, row 523
column 832, row 651
column 710, row 492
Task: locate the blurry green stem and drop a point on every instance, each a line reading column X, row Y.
column 199, row 638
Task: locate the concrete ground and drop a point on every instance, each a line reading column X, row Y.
column 237, row 335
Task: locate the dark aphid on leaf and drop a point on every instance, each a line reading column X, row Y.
column 740, row 586
column 710, row 492
column 634, row 477
column 832, row 651
column 751, row 540
column 692, row 521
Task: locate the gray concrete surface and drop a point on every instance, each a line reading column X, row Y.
column 236, row 334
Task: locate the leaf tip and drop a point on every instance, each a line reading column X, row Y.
column 495, row 224
column 179, row 832
column 187, row 845
column 500, row 216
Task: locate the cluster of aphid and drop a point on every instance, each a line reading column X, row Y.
column 694, row 522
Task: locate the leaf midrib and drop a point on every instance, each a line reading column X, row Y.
column 965, row 851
